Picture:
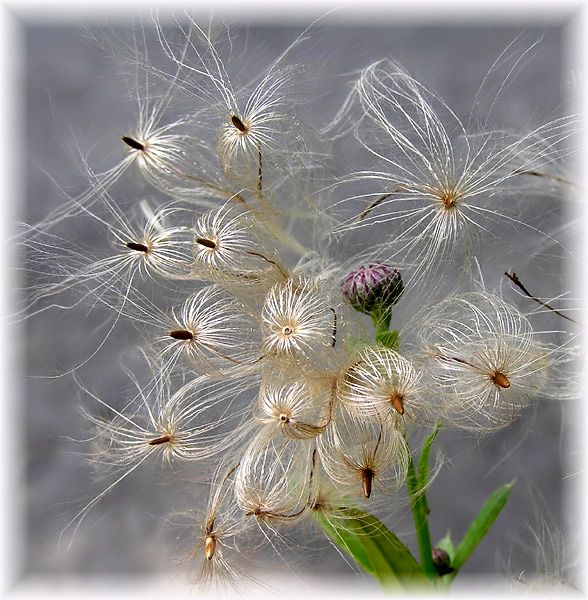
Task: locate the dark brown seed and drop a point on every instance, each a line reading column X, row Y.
column 133, row 143
column 238, row 123
column 181, row 334
column 137, row 247
column 164, row 439
column 205, row 242
column 367, row 476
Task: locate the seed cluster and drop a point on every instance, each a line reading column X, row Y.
column 265, row 374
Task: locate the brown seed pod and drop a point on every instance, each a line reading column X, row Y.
column 210, row 547
column 136, row 246
column 501, row 380
column 181, row 334
column 133, row 143
column 367, row 476
column 236, row 121
column 164, row 439
column 204, row 242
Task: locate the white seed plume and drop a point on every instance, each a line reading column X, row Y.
column 291, row 409
column 441, row 186
column 360, row 456
column 485, row 359
column 298, row 320
column 381, row 384
column 215, row 333
column 230, row 245
column 274, row 481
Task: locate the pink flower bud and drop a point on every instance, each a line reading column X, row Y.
column 373, row 287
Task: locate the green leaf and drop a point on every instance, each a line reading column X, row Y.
column 374, row 547
column 423, row 472
column 480, row 526
column 388, row 339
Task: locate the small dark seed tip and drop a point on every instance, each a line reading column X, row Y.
column 501, row 380
column 137, row 247
column 210, row 546
column 132, row 143
column 164, row 439
column 238, row 123
column 208, row 243
column 397, row 402
column 181, row 334
column 367, row 476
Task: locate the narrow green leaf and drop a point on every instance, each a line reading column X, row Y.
column 388, row 339
column 480, row 526
column 423, row 471
column 374, row 547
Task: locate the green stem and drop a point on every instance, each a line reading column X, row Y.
column 381, row 320
column 420, row 510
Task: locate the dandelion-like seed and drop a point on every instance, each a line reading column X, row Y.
column 486, row 359
column 292, row 409
column 275, row 478
column 360, row 455
column 442, row 184
column 230, row 245
column 381, row 384
column 215, row 333
column 299, row 321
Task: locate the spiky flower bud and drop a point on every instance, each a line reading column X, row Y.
column 373, row 287
column 442, row 561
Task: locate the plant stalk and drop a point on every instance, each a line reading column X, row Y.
column 418, row 503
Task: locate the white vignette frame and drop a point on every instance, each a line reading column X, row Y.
column 15, row 16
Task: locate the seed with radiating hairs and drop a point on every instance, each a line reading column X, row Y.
column 210, row 546
column 397, row 402
column 137, row 247
column 164, row 439
column 181, row 334
column 205, row 242
column 133, row 143
column 238, row 123
column 367, row 476
column 501, row 380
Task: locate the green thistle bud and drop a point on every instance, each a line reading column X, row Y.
column 374, row 287
column 442, row 561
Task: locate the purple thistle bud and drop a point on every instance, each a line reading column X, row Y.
column 373, row 287
column 442, row 561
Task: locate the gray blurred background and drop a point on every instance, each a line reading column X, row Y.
column 75, row 99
